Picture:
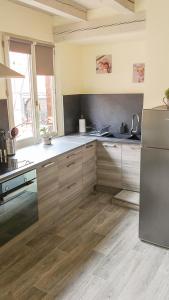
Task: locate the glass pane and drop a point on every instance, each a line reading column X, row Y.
column 22, row 96
column 45, row 98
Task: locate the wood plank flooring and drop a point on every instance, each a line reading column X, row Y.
column 91, row 253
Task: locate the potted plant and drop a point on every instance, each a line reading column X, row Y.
column 166, row 98
column 46, row 135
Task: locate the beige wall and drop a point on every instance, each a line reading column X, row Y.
column 22, row 21
column 157, row 69
column 25, row 21
column 68, row 68
column 124, row 54
column 140, row 5
column 76, row 67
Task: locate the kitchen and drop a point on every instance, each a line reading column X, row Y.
column 68, row 236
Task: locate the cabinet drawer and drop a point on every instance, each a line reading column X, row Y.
column 89, row 152
column 109, row 152
column 70, row 172
column 47, row 178
column 131, row 154
column 70, row 191
column 69, row 157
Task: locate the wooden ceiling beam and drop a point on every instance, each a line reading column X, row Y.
column 64, row 8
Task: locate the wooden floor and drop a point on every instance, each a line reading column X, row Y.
column 91, row 253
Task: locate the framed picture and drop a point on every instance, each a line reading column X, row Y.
column 104, row 64
column 138, row 73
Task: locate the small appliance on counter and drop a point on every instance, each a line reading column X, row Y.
column 10, row 146
column 82, row 124
column 10, row 141
column 3, row 152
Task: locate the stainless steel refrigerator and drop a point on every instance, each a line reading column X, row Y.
column 154, row 182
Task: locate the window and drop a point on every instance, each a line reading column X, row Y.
column 32, row 96
column 45, row 98
column 44, row 71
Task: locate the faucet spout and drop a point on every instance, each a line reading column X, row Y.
column 135, row 124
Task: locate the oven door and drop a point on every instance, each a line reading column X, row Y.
column 18, row 210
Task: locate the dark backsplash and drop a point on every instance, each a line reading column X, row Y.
column 101, row 110
column 72, row 112
column 4, row 123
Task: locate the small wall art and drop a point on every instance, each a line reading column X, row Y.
column 138, row 73
column 104, row 64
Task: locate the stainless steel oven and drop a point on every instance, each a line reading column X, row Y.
column 18, row 205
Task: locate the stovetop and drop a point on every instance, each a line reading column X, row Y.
column 12, row 164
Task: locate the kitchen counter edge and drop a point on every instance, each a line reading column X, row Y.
column 60, row 146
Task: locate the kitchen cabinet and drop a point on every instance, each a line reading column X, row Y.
column 131, row 167
column 67, row 179
column 89, row 168
column 118, row 165
column 70, row 179
column 109, row 164
column 48, row 186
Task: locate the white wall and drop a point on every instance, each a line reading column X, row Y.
column 157, row 43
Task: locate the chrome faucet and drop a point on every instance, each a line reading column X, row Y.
column 135, row 124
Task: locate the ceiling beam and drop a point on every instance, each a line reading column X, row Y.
column 119, row 24
column 64, row 8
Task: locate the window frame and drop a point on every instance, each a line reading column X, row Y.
column 36, row 139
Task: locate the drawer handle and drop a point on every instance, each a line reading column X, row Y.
column 70, row 186
column 111, row 146
column 89, row 146
column 71, row 164
column 70, row 155
column 49, row 164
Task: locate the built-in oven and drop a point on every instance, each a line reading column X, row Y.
column 18, row 205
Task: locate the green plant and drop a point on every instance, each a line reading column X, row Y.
column 167, row 93
column 45, row 131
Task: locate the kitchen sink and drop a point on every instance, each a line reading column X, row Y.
column 124, row 136
column 117, row 136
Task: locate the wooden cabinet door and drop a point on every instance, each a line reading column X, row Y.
column 131, row 167
column 70, row 179
column 89, row 152
column 47, row 178
column 109, row 164
column 89, row 168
